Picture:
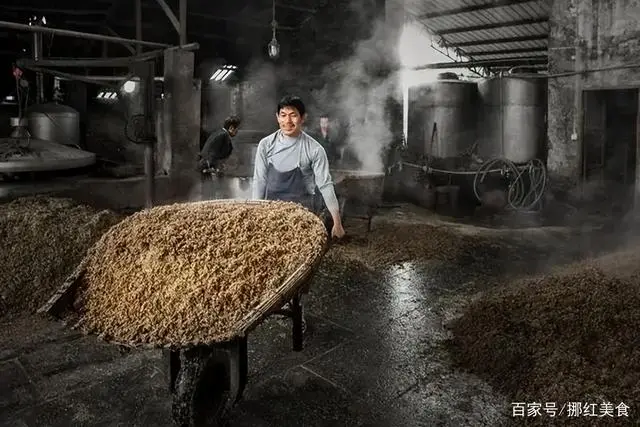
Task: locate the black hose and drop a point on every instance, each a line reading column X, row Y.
column 522, row 195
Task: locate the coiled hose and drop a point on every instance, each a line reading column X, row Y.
column 527, row 186
column 528, row 181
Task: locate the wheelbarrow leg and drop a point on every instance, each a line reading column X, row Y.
column 371, row 211
column 296, row 316
column 192, row 365
column 238, row 369
column 172, row 363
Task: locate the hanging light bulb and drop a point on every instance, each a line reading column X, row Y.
column 274, row 46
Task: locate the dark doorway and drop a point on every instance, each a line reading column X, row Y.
column 609, row 147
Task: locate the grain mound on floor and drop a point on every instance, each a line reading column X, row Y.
column 188, row 273
column 43, row 240
column 568, row 336
column 394, row 243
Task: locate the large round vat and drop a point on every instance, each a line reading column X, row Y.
column 55, row 123
column 35, row 155
column 512, row 123
column 442, row 118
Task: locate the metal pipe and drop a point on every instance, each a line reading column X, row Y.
column 183, row 22
column 170, row 15
column 111, row 31
column 37, row 55
column 78, row 34
column 482, row 63
column 148, row 108
column 98, row 79
column 138, row 15
column 125, row 61
column 68, row 76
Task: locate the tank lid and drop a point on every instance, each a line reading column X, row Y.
column 51, row 108
column 447, row 76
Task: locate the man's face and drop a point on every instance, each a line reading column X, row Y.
column 324, row 122
column 290, row 121
column 233, row 131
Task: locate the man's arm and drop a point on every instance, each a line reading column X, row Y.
column 320, row 165
column 260, row 171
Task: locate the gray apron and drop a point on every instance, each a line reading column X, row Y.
column 287, row 186
column 290, row 186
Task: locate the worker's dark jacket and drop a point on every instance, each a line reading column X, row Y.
column 330, row 143
column 217, row 147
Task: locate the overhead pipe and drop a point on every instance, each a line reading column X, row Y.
column 125, row 61
column 78, row 34
column 37, row 56
column 483, row 63
column 76, row 77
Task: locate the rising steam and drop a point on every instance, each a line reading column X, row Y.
column 364, row 86
column 259, row 96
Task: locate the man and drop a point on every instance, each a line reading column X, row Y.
column 290, row 165
column 218, row 146
column 327, row 136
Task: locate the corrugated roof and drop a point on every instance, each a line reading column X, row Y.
column 486, row 30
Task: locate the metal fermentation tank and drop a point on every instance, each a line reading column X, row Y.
column 442, row 118
column 21, row 153
column 513, row 119
column 54, row 122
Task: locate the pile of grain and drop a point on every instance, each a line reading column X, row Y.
column 43, row 239
column 392, row 243
column 569, row 336
column 188, row 273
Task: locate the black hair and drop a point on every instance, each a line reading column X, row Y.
column 292, row 101
column 231, row 121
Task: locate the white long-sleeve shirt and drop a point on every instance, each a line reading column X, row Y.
column 286, row 153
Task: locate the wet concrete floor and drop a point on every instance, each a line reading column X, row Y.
column 374, row 356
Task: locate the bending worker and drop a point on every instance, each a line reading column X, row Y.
column 218, row 146
column 290, row 164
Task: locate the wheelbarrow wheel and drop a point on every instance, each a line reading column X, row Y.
column 213, row 395
column 201, row 393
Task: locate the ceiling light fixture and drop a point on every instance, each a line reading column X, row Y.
column 223, row 73
column 274, row 46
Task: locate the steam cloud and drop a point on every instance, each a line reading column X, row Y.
column 362, row 93
column 259, row 96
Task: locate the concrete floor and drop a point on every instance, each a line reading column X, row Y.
column 374, row 357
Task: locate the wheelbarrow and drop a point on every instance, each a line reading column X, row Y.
column 218, row 370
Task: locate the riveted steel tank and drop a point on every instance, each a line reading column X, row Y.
column 513, row 119
column 54, row 122
column 442, row 117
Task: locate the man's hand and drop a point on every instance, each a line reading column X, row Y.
column 337, row 231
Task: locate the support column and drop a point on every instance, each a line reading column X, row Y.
column 181, row 111
column 77, row 98
column 394, row 20
column 183, row 21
